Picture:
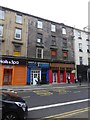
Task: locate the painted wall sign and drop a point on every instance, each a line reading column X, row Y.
column 11, row 62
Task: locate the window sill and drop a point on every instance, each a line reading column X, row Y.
column 17, row 42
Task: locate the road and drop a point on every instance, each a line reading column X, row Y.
column 52, row 103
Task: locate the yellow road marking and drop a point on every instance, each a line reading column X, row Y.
column 26, row 97
column 63, row 115
column 42, row 92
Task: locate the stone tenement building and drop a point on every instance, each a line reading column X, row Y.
column 32, row 47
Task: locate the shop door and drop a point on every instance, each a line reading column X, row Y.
column 54, row 77
column 35, row 74
column 7, row 77
column 61, row 77
column 89, row 77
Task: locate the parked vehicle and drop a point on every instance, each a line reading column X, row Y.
column 13, row 106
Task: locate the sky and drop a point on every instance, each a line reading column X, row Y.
column 73, row 13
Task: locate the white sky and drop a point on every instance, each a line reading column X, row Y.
column 70, row 12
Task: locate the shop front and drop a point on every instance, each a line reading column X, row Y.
column 37, row 70
column 84, row 71
column 59, row 71
column 13, row 71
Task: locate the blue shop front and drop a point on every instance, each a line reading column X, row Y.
column 37, row 70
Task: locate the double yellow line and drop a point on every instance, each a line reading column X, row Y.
column 66, row 114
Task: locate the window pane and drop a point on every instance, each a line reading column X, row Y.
column 1, row 30
column 39, row 38
column 63, row 31
column 80, row 59
column 53, row 53
column 1, row 14
column 80, row 45
column 79, row 34
column 17, row 48
column 39, row 53
column 53, row 40
column 88, row 61
column 39, row 24
column 18, row 19
column 53, row 28
column 18, row 33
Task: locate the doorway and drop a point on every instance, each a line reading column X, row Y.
column 7, row 77
column 35, row 74
column 54, row 77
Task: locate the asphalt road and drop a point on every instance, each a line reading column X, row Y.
column 52, row 103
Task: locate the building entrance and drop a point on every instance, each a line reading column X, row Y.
column 54, row 77
column 7, row 77
column 35, row 75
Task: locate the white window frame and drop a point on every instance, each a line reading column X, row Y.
column 64, row 30
column 2, row 17
column 18, row 31
column 41, row 53
column 79, row 33
column 80, row 46
column 18, row 18
column 1, row 30
column 38, row 40
column 81, row 60
column 53, row 28
column 39, row 24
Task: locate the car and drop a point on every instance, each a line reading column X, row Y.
column 13, row 106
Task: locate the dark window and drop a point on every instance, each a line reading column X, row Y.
column 64, row 43
column 65, row 54
column 88, row 61
column 54, row 40
column 39, row 38
column 17, row 48
column 81, row 60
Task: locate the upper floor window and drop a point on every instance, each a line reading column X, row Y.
column 17, row 48
column 39, row 53
column 64, row 43
column 39, row 24
column 87, row 37
column 39, row 38
column 53, row 53
column 79, row 34
column 53, row 40
column 88, row 48
column 81, row 60
column 18, row 19
column 1, row 30
column 1, row 14
column 18, row 33
column 88, row 61
column 80, row 47
column 53, row 28
column 63, row 30
column 65, row 54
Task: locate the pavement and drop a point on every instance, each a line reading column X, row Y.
column 44, row 86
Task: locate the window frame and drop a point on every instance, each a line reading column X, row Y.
column 19, row 34
column 53, row 40
column 2, row 14
column 53, row 28
column 18, row 19
column 39, row 37
column 81, row 60
column 17, row 50
column 39, row 24
column 1, row 30
column 64, row 32
column 80, row 47
column 37, row 53
column 55, row 51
